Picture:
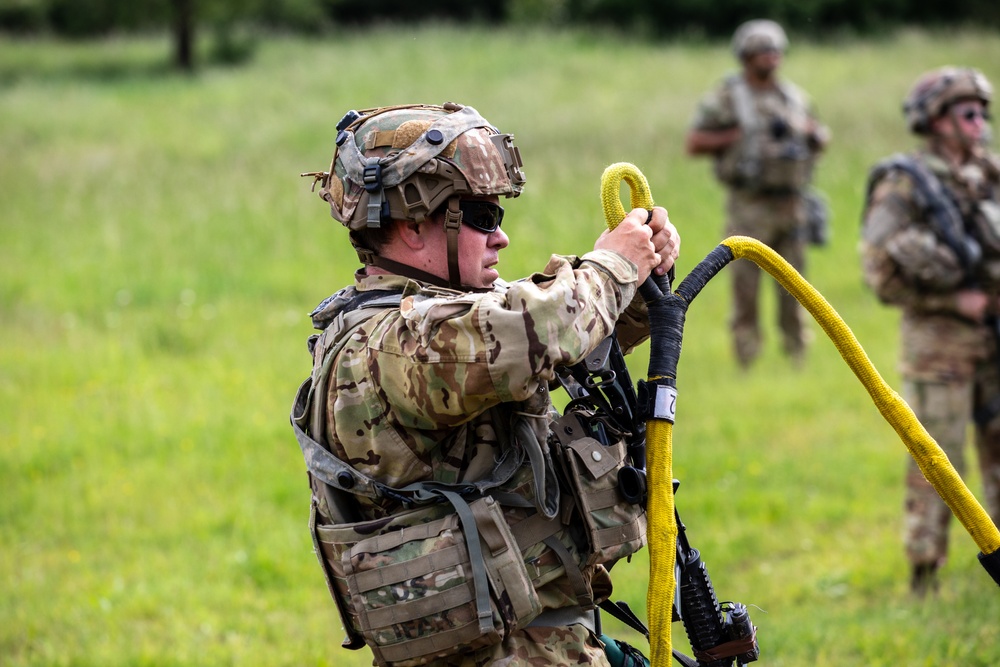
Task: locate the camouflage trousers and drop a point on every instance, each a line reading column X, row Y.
column 945, row 409
column 538, row 647
column 778, row 222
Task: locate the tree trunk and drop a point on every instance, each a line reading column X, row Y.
column 184, row 34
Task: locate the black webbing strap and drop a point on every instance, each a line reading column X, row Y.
column 945, row 218
column 624, row 613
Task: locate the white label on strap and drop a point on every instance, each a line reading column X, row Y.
column 665, row 405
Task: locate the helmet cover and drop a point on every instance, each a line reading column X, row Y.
column 403, row 162
column 757, row 36
column 936, row 90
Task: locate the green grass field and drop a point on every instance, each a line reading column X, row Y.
column 158, row 258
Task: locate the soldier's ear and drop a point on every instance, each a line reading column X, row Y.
column 410, row 233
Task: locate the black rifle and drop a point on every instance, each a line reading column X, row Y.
column 718, row 633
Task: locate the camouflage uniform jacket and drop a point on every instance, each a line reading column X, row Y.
column 419, row 393
column 908, row 265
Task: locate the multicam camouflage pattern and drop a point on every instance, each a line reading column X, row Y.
column 948, row 363
column 411, row 389
column 539, row 647
column 907, row 265
column 778, row 222
column 413, row 592
column 419, row 394
column 943, row 409
column 471, row 158
column 613, row 528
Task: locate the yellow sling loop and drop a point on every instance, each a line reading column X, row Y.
column 662, row 528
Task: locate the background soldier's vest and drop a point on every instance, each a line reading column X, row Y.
column 773, row 155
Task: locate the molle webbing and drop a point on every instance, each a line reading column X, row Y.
column 494, row 552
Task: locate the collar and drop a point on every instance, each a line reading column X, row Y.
column 390, row 281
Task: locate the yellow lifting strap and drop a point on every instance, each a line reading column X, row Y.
column 926, row 452
column 661, row 524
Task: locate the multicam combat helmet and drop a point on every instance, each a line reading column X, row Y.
column 757, row 36
column 405, row 162
column 934, row 91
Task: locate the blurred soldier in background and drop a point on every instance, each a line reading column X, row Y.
column 931, row 246
column 449, row 528
column 764, row 140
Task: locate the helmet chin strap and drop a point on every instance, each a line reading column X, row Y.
column 452, row 225
column 964, row 142
column 370, row 259
column 955, row 145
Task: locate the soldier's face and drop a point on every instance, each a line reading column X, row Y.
column 764, row 63
column 963, row 124
column 478, row 252
column 970, row 117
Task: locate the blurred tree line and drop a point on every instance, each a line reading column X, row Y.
column 233, row 23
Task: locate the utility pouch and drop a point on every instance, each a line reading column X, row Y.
column 817, row 218
column 773, row 169
column 785, row 166
column 430, row 583
column 613, row 527
column 730, row 168
column 986, row 226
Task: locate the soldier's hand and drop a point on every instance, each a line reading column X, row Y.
column 633, row 239
column 666, row 239
column 972, row 304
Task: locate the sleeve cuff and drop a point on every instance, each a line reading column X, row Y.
column 621, row 269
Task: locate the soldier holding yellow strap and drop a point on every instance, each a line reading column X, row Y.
column 444, row 517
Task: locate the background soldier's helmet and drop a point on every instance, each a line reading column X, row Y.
column 758, row 36
column 934, row 91
column 404, row 162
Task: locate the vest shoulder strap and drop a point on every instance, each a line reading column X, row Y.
column 942, row 212
column 308, row 418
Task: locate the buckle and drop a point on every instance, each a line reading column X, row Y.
column 452, row 216
column 366, row 256
column 372, row 177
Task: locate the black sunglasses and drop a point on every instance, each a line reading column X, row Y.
column 970, row 115
column 484, row 216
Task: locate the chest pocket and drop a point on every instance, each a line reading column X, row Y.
column 772, row 155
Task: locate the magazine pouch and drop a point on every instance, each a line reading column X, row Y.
column 613, row 527
column 432, row 582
